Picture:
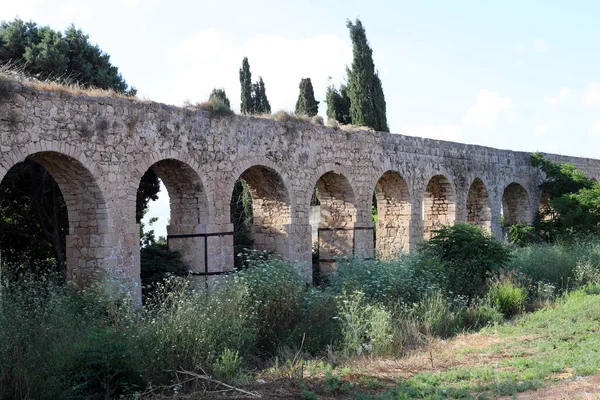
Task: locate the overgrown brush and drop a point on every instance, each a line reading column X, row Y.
column 506, row 295
column 405, row 279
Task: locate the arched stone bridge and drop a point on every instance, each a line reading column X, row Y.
column 97, row 149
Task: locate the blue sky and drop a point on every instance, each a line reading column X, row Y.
column 512, row 74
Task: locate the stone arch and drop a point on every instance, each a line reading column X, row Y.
column 439, row 205
column 88, row 244
column 515, row 205
column 177, row 161
column 479, row 211
column 393, row 214
column 336, row 214
column 271, row 209
column 188, row 211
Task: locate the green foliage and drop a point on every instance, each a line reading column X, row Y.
column 101, row 366
column 179, row 329
column 49, row 54
column 147, row 191
column 55, row 344
column 522, row 234
column 561, row 265
column 367, row 102
column 219, row 102
column 573, row 200
column 228, row 366
column 469, row 257
column 259, row 98
column 33, row 221
column 405, row 279
column 242, row 220
column 338, row 104
column 247, row 104
column 254, row 96
column 276, row 294
column 158, row 263
column 306, row 103
column 507, row 296
column 366, row 327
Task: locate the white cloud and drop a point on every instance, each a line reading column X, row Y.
column 540, row 46
column 591, row 97
column 541, row 129
column 488, row 110
column 595, row 130
column 562, row 96
column 440, row 132
column 212, row 59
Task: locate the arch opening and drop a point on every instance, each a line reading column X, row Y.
column 439, row 205
column 67, row 216
column 333, row 216
column 479, row 211
column 515, row 205
column 261, row 212
column 183, row 220
column 392, row 227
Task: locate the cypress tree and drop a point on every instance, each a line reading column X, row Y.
column 247, row 105
column 306, row 103
column 338, row 104
column 259, row 98
column 367, row 102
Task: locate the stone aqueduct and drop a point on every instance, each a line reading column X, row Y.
column 98, row 149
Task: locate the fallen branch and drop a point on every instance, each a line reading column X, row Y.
column 211, row 380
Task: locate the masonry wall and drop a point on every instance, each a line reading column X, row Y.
column 98, row 149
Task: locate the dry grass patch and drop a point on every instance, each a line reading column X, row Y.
column 10, row 74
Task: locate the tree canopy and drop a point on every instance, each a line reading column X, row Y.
column 573, row 200
column 48, row 54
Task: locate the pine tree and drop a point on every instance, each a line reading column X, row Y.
column 247, row 105
column 306, row 103
column 367, row 102
column 338, row 104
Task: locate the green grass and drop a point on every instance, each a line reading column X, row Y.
column 536, row 348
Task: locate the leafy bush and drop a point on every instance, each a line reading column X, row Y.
column 366, row 328
column 101, row 366
column 522, row 235
column 319, row 326
column 275, row 291
column 507, row 296
column 404, row 280
column 187, row 330
column 469, row 257
column 46, row 341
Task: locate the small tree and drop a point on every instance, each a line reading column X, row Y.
column 306, row 103
column 469, row 257
column 573, row 200
column 247, row 104
column 261, row 103
column 219, row 96
column 338, row 104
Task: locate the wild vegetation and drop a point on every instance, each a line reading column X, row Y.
column 377, row 330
